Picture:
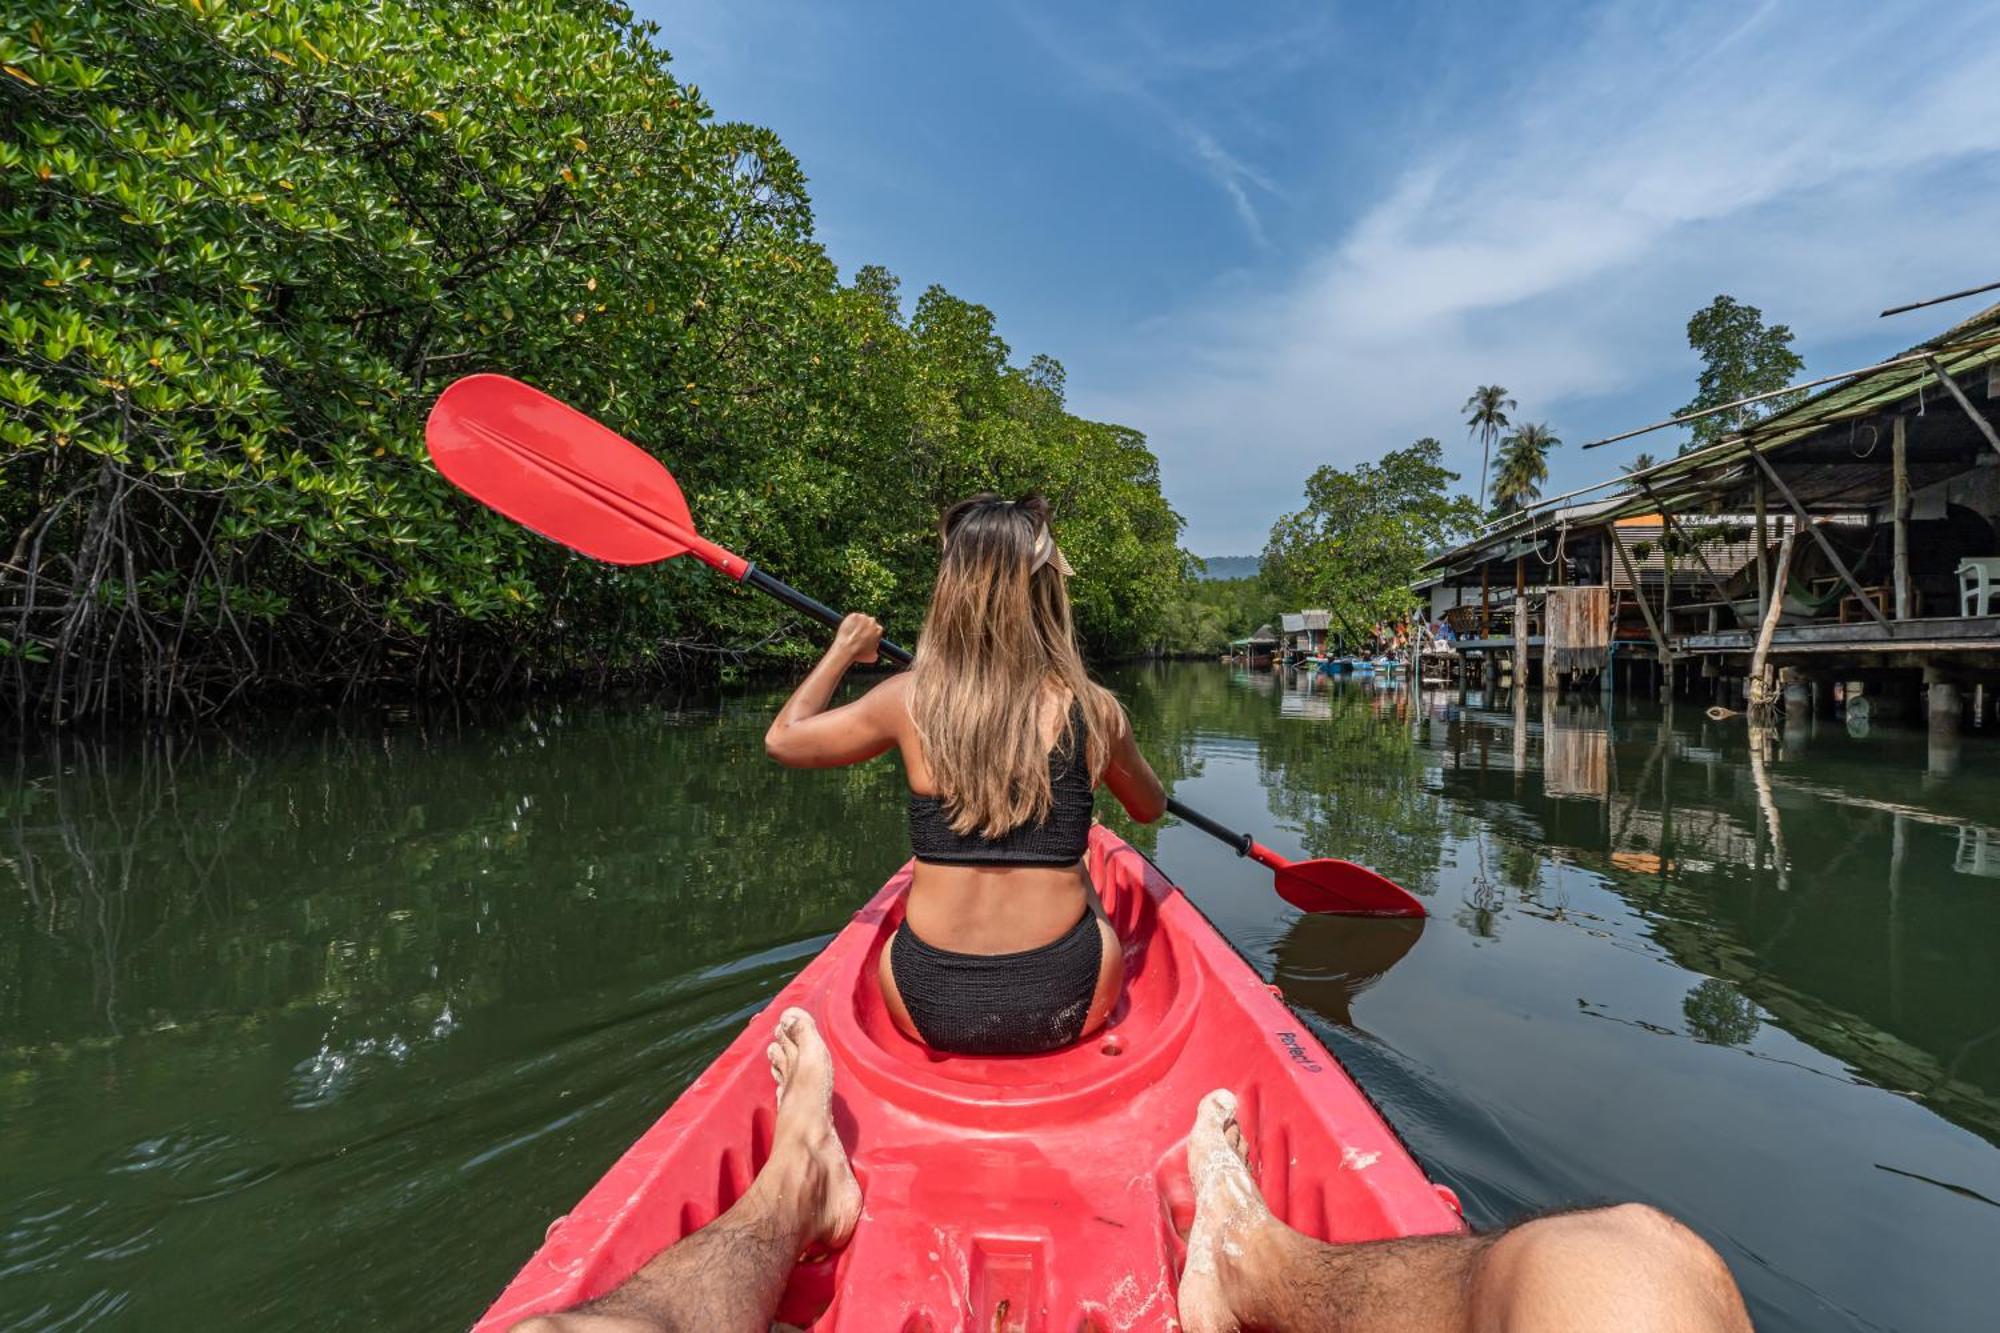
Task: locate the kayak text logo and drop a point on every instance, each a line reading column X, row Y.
column 1290, row 1041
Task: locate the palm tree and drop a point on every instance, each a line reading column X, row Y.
column 1524, row 466
column 1487, row 409
column 1639, row 463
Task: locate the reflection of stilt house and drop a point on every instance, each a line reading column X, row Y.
column 1856, row 533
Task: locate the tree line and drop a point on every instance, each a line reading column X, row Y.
column 1356, row 545
column 247, row 245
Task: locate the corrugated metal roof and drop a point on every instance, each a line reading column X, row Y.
column 1966, row 346
column 1522, row 532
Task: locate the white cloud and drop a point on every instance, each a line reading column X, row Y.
column 1559, row 238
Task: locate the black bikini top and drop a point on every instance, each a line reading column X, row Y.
column 1058, row 840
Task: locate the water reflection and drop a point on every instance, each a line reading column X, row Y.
column 342, row 1016
column 1745, row 972
column 1325, row 962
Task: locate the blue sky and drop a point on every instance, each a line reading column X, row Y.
column 1279, row 235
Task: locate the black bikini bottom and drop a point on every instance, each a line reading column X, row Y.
column 999, row 1004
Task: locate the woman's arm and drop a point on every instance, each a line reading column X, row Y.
column 1131, row 778
column 805, row 735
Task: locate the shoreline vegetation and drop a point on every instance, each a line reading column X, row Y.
column 247, row 248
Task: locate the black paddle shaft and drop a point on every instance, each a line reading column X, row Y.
column 818, row 610
column 1240, row 841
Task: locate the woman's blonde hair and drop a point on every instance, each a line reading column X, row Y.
column 998, row 634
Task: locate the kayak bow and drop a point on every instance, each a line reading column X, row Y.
column 1035, row 1194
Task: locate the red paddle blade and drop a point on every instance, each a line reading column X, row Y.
column 549, row 467
column 1345, row 889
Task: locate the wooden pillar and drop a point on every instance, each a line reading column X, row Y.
column 1485, row 599
column 1520, row 642
column 1899, row 455
column 1943, row 724
column 1763, row 568
column 1760, row 692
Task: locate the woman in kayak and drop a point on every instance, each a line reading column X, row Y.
column 1004, row 948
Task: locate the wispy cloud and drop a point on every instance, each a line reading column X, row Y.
column 1556, row 239
column 1156, row 64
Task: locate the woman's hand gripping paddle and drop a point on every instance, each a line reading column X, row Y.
column 552, row 469
column 1325, row 885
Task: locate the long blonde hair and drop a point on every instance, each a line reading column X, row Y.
column 998, row 633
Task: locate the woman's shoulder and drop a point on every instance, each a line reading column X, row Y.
column 1099, row 705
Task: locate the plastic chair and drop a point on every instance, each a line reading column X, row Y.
column 1979, row 585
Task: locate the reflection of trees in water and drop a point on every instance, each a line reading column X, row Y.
column 1480, row 913
column 378, row 873
column 1719, row 1013
column 1354, row 786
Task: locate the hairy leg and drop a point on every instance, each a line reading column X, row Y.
column 1626, row 1268
column 730, row 1274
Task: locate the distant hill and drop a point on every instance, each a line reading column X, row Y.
column 1231, row 566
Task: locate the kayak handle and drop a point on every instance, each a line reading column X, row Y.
column 815, row 608
column 1240, row 841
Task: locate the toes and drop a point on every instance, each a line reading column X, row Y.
column 795, row 1023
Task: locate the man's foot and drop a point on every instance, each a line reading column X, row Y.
column 807, row 1161
column 1229, row 1216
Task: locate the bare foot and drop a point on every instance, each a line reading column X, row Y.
column 806, row 1154
column 1228, row 1215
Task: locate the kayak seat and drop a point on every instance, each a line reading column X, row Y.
column 1148, row 1027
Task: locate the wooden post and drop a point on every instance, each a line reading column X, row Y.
column 1825, row 546
column 1668, row 525
column 1485, row 599
column 1899, row 455
column 1763, row 567
column 1985, row 426
column 1645, row 607
column 1520, row 576
column 1520, row 643
column 1760, row 693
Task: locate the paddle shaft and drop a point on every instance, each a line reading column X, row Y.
column 818, row 610
column 1244, row 844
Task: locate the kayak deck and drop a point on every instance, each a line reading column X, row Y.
column 1019, row 1194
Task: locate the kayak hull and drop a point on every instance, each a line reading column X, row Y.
column 1035, row 1194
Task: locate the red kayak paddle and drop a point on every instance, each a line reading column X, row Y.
column 579, row 483
column 1324, row 885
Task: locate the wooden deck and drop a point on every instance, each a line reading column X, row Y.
column 1939, row 634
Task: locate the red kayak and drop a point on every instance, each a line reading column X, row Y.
column 1017, row 1194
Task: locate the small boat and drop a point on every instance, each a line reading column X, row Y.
column 1035, row 1194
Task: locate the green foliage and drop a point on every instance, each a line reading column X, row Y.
column 1355, row 547
column 247, row 244
column 1740, row 357
column 1524, row 466
column 1208, row 613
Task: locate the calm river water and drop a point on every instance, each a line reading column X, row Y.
column 320, row 1028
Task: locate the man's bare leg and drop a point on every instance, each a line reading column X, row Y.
column 730, row 1274
column 1631, row 1269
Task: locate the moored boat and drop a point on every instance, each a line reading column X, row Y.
column 1036, row 1193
